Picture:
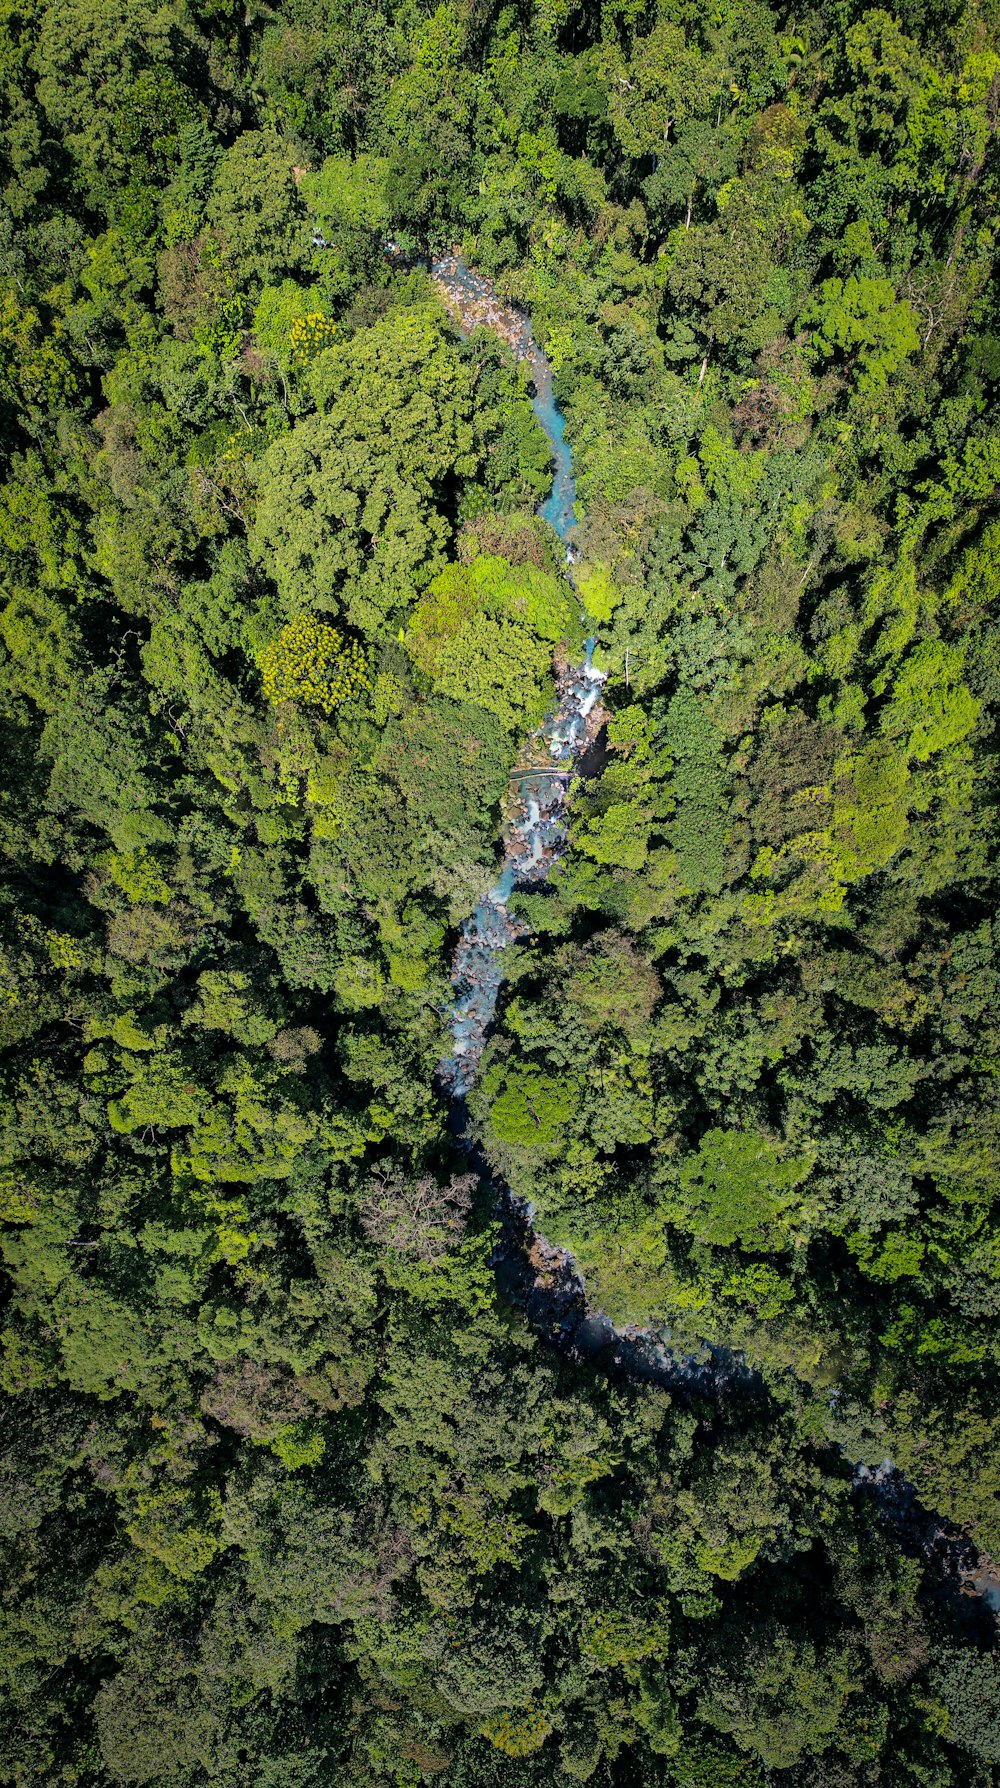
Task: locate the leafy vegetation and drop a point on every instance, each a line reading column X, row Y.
column 291, row 1493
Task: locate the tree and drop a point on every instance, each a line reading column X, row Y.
column 312, row 664
column 968, row 1685
column 419, row 1216
column 863, row 319
column 485, row 632
column 430, row 117
column 740, row 1188
column 350, row 514
column 256, row 212
column 698, row 829
column 531, row 1110
column 113, row 82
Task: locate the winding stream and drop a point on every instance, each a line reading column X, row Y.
column 545, row 1280
column 534, row 832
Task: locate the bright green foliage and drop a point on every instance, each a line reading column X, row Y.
column 138, row 875
column 485, row 633
column 532, row 1111
column 349, row 513
column 348, row 192
column 348, row 202
column 38, row 374
column 597, row 589
column 255, row 211
column 617, row 836
column 863, row 320
column 614, row 1639
column 930, row 708
column 741, row 1188
column 39, row 637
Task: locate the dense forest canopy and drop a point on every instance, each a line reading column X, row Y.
column 291, row 1494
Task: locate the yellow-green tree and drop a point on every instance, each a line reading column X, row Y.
column 312, row 664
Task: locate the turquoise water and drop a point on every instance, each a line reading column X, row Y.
column 559, row 507
column 535, row 834
column 480, row 307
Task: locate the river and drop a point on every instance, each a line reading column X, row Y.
column 534, row 832
column 542, row 1279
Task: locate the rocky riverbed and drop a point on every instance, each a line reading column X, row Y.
column 534, row 835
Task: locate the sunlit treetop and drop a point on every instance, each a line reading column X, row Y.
column 312, row 664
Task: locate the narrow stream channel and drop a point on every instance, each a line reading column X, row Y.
column 544, row 1280
column 534, row 833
